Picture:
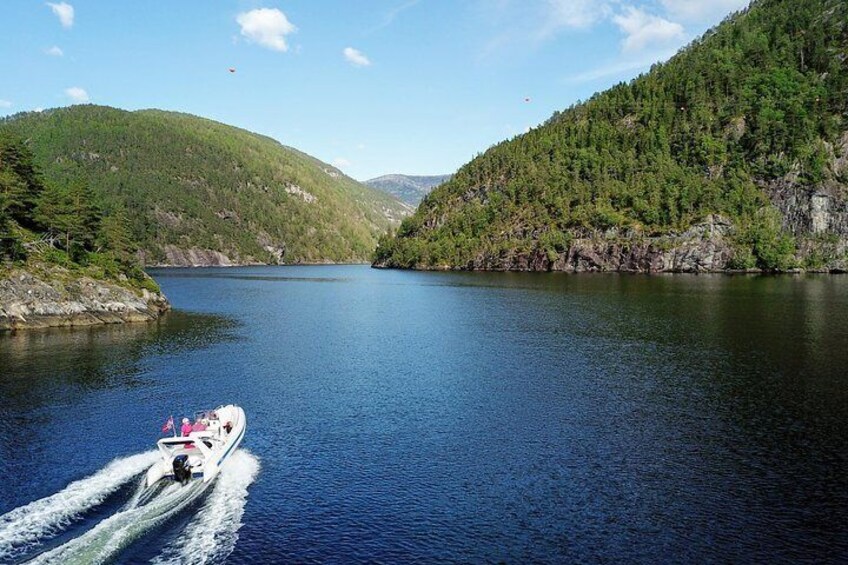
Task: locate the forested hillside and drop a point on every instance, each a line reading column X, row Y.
column 59, row 230
column 194, row 191
column 736, row 149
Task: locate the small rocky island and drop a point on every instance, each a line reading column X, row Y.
column 38, row 301
column 65, row 259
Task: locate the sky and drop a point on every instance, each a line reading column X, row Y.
column 373, row 86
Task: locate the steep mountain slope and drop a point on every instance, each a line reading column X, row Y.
column 200, row 192
column 734, row 154
column 408, row 188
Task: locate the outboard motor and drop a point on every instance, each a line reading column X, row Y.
column 182, row 469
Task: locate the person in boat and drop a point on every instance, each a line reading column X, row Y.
column 198, row 426
column 186, row 427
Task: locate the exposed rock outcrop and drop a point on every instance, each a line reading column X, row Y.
column 30, row 301
column 812, row 210
column 295, row 190
column 277, row 250
column 195, row 257
column 703, row 248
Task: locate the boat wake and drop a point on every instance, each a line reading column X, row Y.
column 26, row 526
column 115, row 533
column 209, row 537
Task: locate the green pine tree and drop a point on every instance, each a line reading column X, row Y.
column 55, row 211
column 114, row 235
column 20, row 182
column 87, row 213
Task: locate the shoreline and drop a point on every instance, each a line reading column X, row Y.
column 29, row 301
column 234, row 265
column 728, row 272
column 80, row 320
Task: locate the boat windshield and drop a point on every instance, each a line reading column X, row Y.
column 175, row 446
column 208, row 415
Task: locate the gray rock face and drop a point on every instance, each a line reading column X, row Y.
column 27, row 301
column 277, row 250
column 195, row 257
column 839, row 162
column 702, row 248
column 817, row 209
column 812, row 210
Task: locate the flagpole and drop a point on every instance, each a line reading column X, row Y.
column 173, row 426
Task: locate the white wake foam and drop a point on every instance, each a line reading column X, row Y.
column 32, row 523
column 115, row 533
column 212, row 534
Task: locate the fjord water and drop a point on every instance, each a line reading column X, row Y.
column 454, row 417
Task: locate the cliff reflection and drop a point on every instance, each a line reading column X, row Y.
column 36, row 362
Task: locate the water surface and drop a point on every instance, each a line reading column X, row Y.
column 464, row 417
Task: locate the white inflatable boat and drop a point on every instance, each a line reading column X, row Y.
column 199, row 455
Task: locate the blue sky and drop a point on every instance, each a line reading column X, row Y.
column 374, row 87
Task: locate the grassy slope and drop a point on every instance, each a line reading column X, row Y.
column 193, row 182
column 761, row 98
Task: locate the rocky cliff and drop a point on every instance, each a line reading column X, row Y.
column 703, row 248
column 816, row 215
column 29, row 300
column 821, row 208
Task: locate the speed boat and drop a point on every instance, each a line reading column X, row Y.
column 200, row 454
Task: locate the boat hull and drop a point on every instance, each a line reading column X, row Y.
column 214, row 449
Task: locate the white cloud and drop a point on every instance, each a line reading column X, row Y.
column 39, row 109
column 533, row 22
column 643, row 29
column 356, row 57
column 63, row 11
column 5, row 104
column 702, row 10
column 341, row 162
column 392, row 14
column 619, row 68
column 77, row 95
column 574, row 14
column 267, row 27
column 55, row 51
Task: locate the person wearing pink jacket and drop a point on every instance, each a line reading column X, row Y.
column 186, row 427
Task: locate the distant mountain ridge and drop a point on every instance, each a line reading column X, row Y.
column 408, row 188
column 199, row 192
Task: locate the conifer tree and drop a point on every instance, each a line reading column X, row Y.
column 55, row 211
column 114, row 235
column 87, row 214
column 20, row 182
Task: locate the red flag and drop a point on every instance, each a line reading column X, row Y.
column 169, row 425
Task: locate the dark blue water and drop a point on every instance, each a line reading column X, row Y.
column 453, row 417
